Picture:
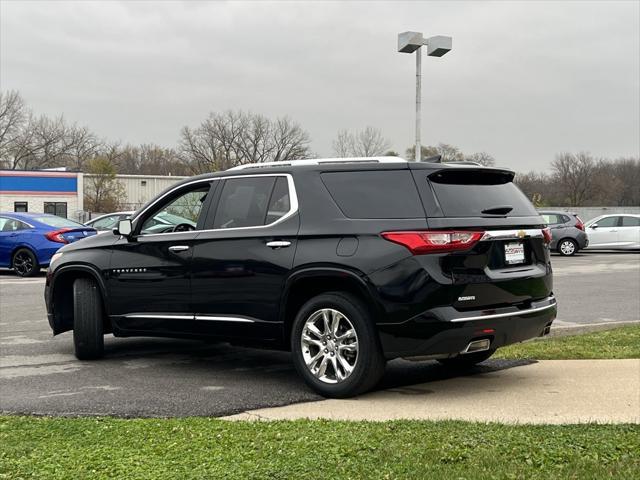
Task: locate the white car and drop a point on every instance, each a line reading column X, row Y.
column 106, row 223
column 614, row 232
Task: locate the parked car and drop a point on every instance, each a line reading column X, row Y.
column 28, row 240
column 567, row 232
column 163, row 222
column 346, row 263
column 614, row 232
column 106, row 223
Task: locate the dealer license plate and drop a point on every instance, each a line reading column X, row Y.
column 514, row 253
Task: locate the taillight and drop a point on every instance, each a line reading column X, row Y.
column 434, row 241
column 546, row 234
column 56, row 235
column 579, row 224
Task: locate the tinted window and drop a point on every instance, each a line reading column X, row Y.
column 630, row 222
column 279, row 205
column 375, row 194
column 467, row 193
column 58, row 222
column 608, row 222
column 179, row 213
column 243, row 202
column 20, row 207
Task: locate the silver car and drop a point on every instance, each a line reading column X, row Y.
column 567, row 232
column 614, row 232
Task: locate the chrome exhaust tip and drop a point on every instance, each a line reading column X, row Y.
column 546, row 331
column 477, row 346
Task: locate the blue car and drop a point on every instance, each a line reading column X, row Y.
column 29, row 240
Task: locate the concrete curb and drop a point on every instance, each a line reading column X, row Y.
column 546, row 392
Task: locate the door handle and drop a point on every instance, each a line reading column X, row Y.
column 278, row 244
column 178, row 248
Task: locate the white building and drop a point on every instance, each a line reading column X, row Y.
column 61, row 193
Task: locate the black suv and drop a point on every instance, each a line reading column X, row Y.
column 346, row 263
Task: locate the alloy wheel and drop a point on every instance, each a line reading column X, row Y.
column 23, row 263
column 329, row 345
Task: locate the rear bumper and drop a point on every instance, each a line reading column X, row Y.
column 445, row 331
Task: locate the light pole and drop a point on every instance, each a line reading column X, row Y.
column 409, row 42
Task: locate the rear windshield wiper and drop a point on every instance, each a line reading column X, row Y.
column 498, row 210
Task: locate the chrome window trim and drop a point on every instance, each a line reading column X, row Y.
column 293, row 204
column 507, row 314
column 511, row 234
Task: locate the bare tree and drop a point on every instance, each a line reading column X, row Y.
column 13, row 116
column 483, row 158
column 232, row 138
column 575, row 173
column 343, row 144
column 83, row 145
column 102, row 191
column 369, row 142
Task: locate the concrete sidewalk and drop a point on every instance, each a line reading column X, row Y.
column 549, row 391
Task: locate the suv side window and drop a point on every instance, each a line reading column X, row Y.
column 375, row 194
column 179, row 213
column 245, row 202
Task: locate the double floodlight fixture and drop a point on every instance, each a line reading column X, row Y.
column 409, row 42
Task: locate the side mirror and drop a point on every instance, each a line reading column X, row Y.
column 594, row 226
column 124, row 228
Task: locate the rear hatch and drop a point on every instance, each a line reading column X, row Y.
column 507, row 262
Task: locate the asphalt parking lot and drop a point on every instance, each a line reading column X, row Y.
column 160, row 377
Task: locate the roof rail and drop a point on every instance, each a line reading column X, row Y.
column 464, row 162
column 320, row 161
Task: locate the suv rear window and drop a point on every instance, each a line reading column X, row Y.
column 466, row 193
column 375, row 194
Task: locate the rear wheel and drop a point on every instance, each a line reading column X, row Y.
column 567, row 247
column 467, row 360
column 25, row 263
column 88, row 335
column 335, row 346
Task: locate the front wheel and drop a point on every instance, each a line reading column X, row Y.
column 567, row 247
column 335, row 346
column 25, row 263
column 88, row 334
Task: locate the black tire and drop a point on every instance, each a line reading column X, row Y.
column 88, row 333
column 369, row 364
column 567, row 247
column 466, row 361
column 25, row 263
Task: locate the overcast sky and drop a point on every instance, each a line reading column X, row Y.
column 524, row 81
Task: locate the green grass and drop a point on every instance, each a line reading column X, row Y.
column 202, row 448
column 623, row 342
